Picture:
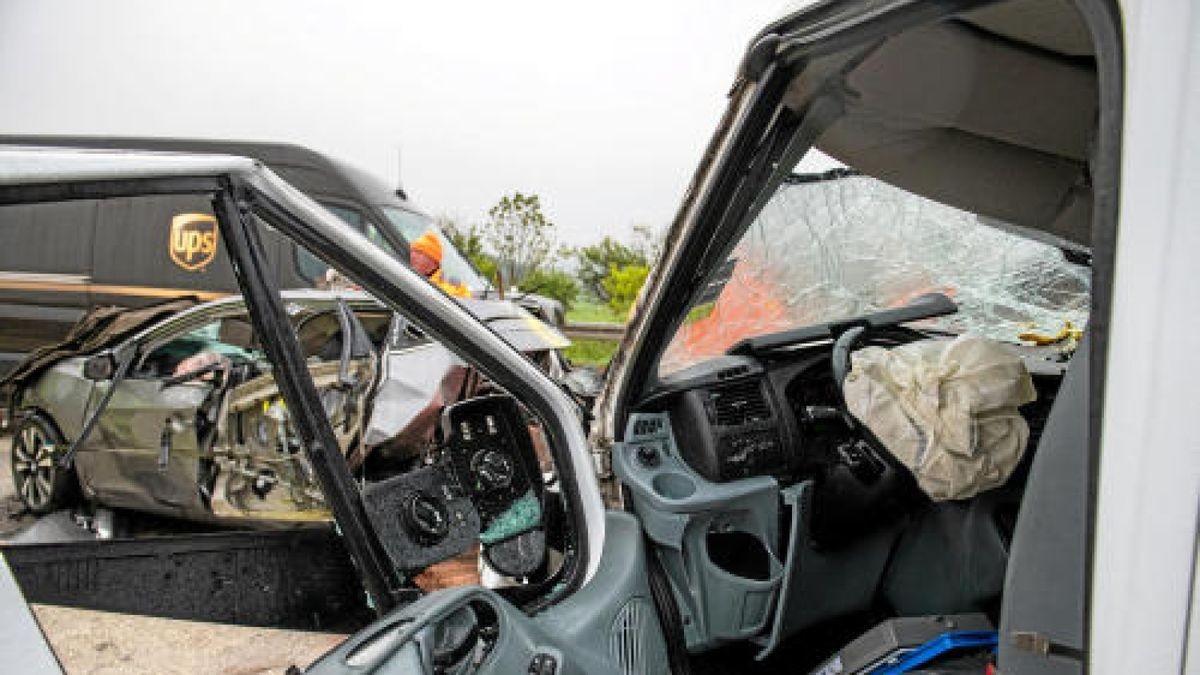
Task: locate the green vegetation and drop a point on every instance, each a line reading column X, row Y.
column 469, row 242
column 519, row 235
column 596, row 262
column 515, row 247
column 593, row 312
column 591, row 352
column 552, row 284
column 699, row 312
column 623, row 284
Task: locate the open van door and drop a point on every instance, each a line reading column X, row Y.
column 584, row 606
column 607, row 627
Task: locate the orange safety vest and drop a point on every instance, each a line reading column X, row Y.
column 451, row 288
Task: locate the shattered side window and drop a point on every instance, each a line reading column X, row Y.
column 832, row 247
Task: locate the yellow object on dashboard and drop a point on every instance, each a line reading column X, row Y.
column 1068, row 333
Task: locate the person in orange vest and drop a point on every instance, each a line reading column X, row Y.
column 425, row 256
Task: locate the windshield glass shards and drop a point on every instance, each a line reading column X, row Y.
column 834, row 246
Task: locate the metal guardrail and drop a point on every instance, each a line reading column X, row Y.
column 594, row 331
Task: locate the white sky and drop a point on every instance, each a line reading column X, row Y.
column 602, row 109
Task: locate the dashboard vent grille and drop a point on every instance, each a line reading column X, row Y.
column 647, row 426
column 738, row 404
column 636, row 642
column 730, row 373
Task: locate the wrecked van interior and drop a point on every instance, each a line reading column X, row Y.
column 852, row 425
column 856, row 400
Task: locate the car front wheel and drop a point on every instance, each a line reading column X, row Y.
column 40, row 482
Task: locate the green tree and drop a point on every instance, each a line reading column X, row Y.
column 519, row 235
column 648, row 243
column 469, row 241
column 551, row 283
column 623, row 284
column 597, row 260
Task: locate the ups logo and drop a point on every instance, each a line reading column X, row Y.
column 193, row 241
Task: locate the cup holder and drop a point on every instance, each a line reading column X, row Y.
column 740, row 554
column 671, row 485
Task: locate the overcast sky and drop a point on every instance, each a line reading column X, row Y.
column 603, row 109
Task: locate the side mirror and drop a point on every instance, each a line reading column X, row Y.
column 100, row 367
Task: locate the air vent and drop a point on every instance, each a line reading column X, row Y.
column 738, row 404
column 730, row 373
column 647, row 426
column 636, row 642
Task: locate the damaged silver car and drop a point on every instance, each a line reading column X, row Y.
column 173, row 409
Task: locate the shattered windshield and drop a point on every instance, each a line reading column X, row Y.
column 834, row 246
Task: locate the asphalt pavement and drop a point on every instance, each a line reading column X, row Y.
column 105, row 643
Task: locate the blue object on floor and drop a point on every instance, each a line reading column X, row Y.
column 939, row 646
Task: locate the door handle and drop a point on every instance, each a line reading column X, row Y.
column 164, row 447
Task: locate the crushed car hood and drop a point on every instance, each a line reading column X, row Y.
column 516, row 325
column 100, row 327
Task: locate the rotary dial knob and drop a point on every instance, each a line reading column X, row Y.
column 493, row 470
column 426, row 518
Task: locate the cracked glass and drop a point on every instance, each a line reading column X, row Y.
column 834, row 246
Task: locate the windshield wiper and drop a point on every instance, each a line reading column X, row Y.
column 926, row 306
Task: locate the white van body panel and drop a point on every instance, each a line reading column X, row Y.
column 1149, row 473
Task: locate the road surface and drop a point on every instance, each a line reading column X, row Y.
column 104, row 643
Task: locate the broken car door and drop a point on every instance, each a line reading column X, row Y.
column 144, row 451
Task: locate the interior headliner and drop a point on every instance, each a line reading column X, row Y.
column 993, row 112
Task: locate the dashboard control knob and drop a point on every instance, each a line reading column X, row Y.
column 647, row 455
column 493, row 470
column 425, row 517
column 543, row 664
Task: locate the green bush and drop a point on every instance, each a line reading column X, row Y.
column 591, row 352
column 486, row 266
column 622, row 285
column 552, row 284
column 597, row 260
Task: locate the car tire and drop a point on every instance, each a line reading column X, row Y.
column 39, row 482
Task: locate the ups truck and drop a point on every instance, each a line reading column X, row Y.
column 59, row 259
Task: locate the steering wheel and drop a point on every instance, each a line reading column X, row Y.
column 840, row 362
column 849, row 340
column 866, row 483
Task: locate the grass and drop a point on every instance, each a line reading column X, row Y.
column 591, row 352
column 699, row 312
column 593, row 312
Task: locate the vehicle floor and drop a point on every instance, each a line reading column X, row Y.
column 798, row 655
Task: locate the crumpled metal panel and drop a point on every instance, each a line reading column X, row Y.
column 417, row 383
column 836, row 246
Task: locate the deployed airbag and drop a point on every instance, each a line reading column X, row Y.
column 946, row 409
